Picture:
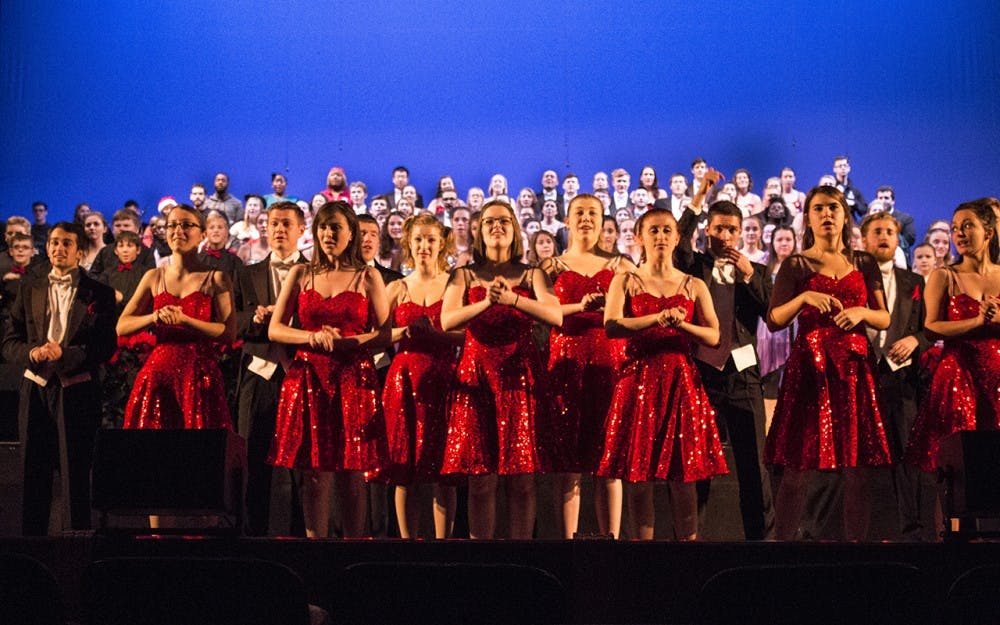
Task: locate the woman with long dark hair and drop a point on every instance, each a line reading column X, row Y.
column 827, row 417
column 329, row 418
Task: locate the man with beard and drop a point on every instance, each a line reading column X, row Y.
column 197, row 197
column 336, row 186
column 222, row 201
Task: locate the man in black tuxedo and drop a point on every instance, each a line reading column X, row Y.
column 400, row 180
column 262, row 369
column 740, row 294
column 549, row 191
column 60, row 330
column 897, row 351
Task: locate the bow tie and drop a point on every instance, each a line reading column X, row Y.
column 724, row 272
column 124, row 266
column 213, row 253
column 886, row 269
column 283, row 264
column 18, row 270
column 66, row 280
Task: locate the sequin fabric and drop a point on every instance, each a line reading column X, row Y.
column 582, row 365
column 415, row 399
column 329, row 414
column 500, row 416
column 660, row 425
column 180, row 385
column 964, row 392
column 827, row 415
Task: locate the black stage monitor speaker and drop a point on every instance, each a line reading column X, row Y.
column 970, row 466
column 169, row 472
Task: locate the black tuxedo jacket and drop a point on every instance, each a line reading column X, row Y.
column 390, row 199
column 253, row 286
column 90, row 337
column 907, row 317
column 750, row 299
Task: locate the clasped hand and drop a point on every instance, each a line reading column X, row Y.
column 421, row 326
column 261, row 314
column 593, row 301
column 671, row 317
column 988, row 308
column 50, row 352
column 171, row 314
column 499, row 292
column 324, row 338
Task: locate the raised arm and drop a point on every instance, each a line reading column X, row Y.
column 936, row 325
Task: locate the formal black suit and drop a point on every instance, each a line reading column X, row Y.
column 390, row 199
column 59, row 421
column 540, row 199
column 257, row 397
column 737, row 396
column 898, row 401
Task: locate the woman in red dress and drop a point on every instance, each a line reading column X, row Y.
column 500, row 418
column 827, row 416
column 582, row 363
column 660, row 425
column 420, row 377
column 962, row 305
column 189, row 306
column 329, row 418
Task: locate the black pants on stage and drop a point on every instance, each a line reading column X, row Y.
column 58, row 429
column 738, row 400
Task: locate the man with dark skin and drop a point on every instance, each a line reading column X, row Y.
column 222, row 201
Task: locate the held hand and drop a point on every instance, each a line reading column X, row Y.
column 419, row 327
column 902, row 349
column 501, row 293
column 848, row 318
column 825, row 303
column 592, row 301
column 261, row 313
column 170, row 315
column 988, row 309
column 741, row 262
column 713, row 177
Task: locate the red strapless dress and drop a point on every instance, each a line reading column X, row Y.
column 965, row 389
column 415, row 399
column 660, row 425
column 582, row 364
column 329, row 416
column 180, row 385
column 827, row 415
column 500, row 416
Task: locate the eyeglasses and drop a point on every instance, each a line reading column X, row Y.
column 183, row 225
column 489, row 222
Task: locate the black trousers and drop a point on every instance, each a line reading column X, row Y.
column 738, row 400
column 58, row 429
column 258, row 410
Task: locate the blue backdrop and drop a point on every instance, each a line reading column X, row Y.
column 108, row 100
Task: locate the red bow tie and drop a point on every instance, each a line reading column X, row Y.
column 213, row 253
column 18, row 270
column 124, row 266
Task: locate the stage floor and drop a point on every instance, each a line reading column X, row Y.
column 606, row 581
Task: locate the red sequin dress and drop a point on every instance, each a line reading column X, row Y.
column 661, row 425
column 415, row 399
column 500, row 418
column 827, row 415
column 582, row 365
column 180, row 385
column 329, row 416
column 964, row 392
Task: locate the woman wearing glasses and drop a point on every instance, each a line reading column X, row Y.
column 189, row 308
column 500, row 419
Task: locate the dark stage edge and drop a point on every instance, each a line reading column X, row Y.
column 606, row 581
